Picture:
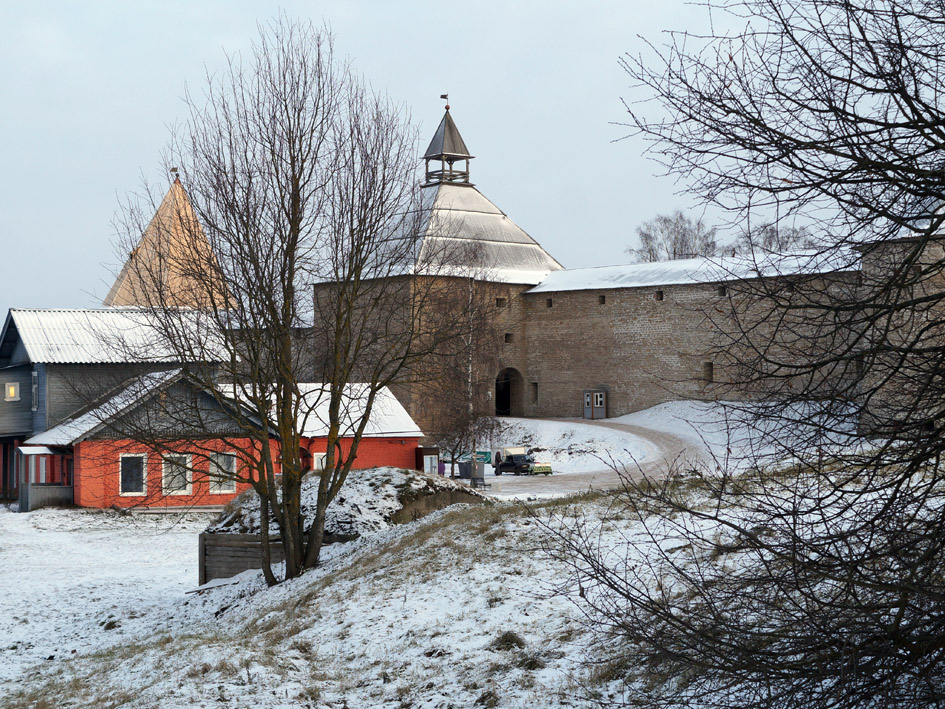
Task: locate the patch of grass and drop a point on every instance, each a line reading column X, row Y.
column 610, row 670
column 530, row 661
column 488, row 699
column 303, row 647
column 199, row 670
column 508, row 640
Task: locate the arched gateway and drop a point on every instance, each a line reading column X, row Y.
column 509, row 393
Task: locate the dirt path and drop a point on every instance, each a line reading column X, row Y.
column 670, row 449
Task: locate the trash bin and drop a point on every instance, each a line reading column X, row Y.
column 465, row 470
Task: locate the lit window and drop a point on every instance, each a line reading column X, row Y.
column 11, row 391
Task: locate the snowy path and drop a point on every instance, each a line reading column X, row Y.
column 645, row 451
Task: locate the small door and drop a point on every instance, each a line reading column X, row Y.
column 595, row 404
column 600, row 405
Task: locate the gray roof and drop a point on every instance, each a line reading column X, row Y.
column 93, row 335
column 467, row 231
column 697, row 270
column 447, row 142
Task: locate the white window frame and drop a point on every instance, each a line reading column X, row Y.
column 188, row 490
column 144, row 475
column 214, row 482
column 11, row 391
column 598, row 399
column 318, row 462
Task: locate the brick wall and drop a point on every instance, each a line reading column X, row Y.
column 641, row 350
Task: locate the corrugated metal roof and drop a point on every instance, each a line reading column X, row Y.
column 466, row 231
column 696, row 270
column 88, row 336
column 447, row 142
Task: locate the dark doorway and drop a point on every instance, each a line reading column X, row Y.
column 508, row 393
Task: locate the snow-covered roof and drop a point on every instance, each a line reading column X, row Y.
column 90, row 336
column 389, row 419
column 71, row 431
column 465, row 230
column 695, row 270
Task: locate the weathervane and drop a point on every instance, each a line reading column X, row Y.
column 446, row 97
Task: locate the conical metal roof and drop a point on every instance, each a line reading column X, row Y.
column 447, row 142
column 466, row 234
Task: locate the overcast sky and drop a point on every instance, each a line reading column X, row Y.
column 88, row 91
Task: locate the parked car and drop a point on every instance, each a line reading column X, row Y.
column 517, row 464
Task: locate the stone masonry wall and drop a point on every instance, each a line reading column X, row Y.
column 640, row 349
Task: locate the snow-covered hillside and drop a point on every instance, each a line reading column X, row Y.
column 366, row 504
column 453, row 610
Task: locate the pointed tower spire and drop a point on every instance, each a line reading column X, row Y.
column 173, row 263
column 448, row 148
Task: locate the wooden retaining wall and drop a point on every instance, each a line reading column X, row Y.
column 225, row 555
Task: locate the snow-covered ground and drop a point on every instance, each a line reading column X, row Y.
column 705, row 425
column 575, row 446
column 453, row 610
column 73, row 581
column 428, row 614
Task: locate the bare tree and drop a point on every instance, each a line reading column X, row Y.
column 817, row 581
column 668, row 237
column 297, row 175
column 774, row 238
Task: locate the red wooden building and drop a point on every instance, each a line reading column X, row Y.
column 103, row 461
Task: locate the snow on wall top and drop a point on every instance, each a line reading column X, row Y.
column 366, row 503
column 692, row 271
